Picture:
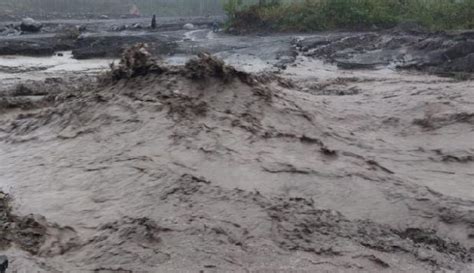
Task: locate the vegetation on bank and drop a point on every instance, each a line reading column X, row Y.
column 313, row 15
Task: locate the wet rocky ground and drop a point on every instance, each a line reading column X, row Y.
column 404, row 47
column 96, row 38
column 441, row 53
column 311, row 153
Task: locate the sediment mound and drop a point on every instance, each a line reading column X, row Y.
column 183, row 91
column 136, row 61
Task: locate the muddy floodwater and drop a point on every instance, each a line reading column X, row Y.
column 15, row 69
column 297, row 153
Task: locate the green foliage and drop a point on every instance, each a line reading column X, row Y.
column 231, row 7
column 310, row 15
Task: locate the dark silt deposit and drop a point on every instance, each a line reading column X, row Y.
column 112, row 46
column 436, row 53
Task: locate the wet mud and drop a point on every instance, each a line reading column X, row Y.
column 439, row 53
column 90, row 39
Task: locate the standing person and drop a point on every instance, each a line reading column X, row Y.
column 215, row 26
column 153, row 22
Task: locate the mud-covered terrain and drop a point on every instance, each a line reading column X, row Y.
column 296, row 153
column 97, row 38
column 439, row 53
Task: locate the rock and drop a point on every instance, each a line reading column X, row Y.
column 71, row 33
column 459, row 50
column 232, row 30
column 11, row 32
column 81, row 28
column 350, row 65
column 119, row 28
column 3, row 263
column 424, row 255
column 189, row 26
column 30, row 25
column 465, row 64
column 136, row 26
column 27, row 48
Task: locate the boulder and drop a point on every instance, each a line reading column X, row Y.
column 30, row 25
column 459, row 50
column 3, row 263
column 189, row 26
column 81, row 28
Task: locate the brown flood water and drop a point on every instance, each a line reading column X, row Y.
column 341, row 171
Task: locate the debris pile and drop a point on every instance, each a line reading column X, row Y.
column 206, row 66
column 135, row 61
column 138, row 61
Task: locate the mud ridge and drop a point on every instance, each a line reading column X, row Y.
column 137, row 68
